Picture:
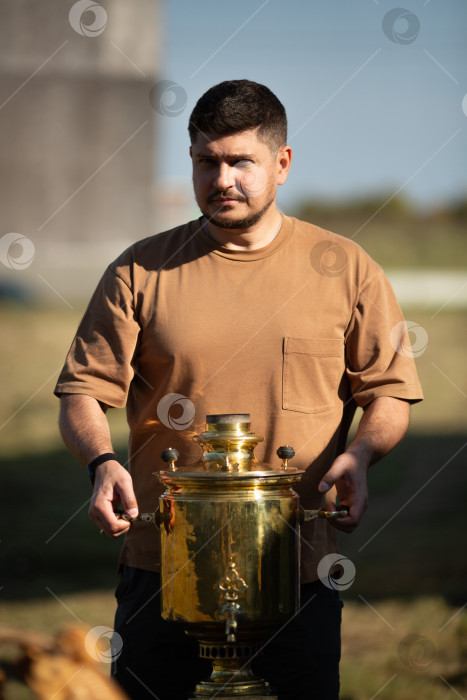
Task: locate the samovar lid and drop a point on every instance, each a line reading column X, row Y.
column 228, row 450
column 228, row 418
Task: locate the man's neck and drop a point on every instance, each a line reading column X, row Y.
column 252, row 238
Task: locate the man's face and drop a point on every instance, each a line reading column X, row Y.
column 235, row 178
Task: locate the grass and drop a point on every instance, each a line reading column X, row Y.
column 33, row 352
column 442, row 370
column 398, row 650
column 50, row 616
column 408, row 551
column 34, row 349
column 409, row 543
column 394, row 649
column 47, row 530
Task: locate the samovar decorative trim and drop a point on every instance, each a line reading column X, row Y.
column 231, row 586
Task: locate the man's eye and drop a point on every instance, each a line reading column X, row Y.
column 244, row 163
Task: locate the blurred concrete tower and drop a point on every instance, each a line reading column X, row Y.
column 76, row 134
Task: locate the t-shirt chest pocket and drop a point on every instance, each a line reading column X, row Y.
column 311, row 373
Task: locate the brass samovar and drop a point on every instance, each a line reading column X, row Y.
column 230, row 545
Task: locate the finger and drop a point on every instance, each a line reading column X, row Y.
column 113, row 485
column 338, row 470
column 356, row 510
column 329, row 499
column 325, row 484
column 115, row 527
column 344, row 524
column 101, row 513
column 329, row 479
column 128, row 499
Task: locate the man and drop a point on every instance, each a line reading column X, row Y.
column 243, row 310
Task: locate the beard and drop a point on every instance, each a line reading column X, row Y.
column 230, row 224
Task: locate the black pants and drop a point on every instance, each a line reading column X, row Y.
column 158, row 660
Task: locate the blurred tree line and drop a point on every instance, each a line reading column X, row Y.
column 387, row 208
column 394, row 231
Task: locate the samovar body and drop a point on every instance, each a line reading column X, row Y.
column 242, row 529
column 230, row 551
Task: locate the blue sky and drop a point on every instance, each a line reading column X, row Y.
column 366, row 114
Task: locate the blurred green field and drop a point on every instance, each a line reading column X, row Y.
column 394, row 234
column 396, row 650
column 409, row 551
column 35, row 343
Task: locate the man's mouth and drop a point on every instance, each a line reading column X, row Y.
column 224, row 199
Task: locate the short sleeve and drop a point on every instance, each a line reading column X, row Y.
column 379, row 360
column 100, row 360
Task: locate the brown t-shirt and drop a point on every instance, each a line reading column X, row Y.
column 296, row 333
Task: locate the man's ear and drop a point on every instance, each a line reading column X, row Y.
column 191, row 152
column 284, row 159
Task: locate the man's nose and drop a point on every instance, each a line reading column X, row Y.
column 225, row 177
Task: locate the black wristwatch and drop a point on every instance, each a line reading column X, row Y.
column 92, row 466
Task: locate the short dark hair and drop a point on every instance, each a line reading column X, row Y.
column 240, row 105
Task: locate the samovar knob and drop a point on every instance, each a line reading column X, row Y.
column 170, row 455
column 285, row 452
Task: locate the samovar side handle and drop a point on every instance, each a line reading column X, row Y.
column 169, row 456
column 307, row 515
column 155, row 518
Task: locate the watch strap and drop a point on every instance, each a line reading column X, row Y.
column 92, row 466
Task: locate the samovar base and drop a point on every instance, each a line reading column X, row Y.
column 232, row 677
column 254, row 689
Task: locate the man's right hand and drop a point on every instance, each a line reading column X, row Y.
column 113, row 485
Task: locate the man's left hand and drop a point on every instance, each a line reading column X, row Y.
column 349, row 475
column 383, row 424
